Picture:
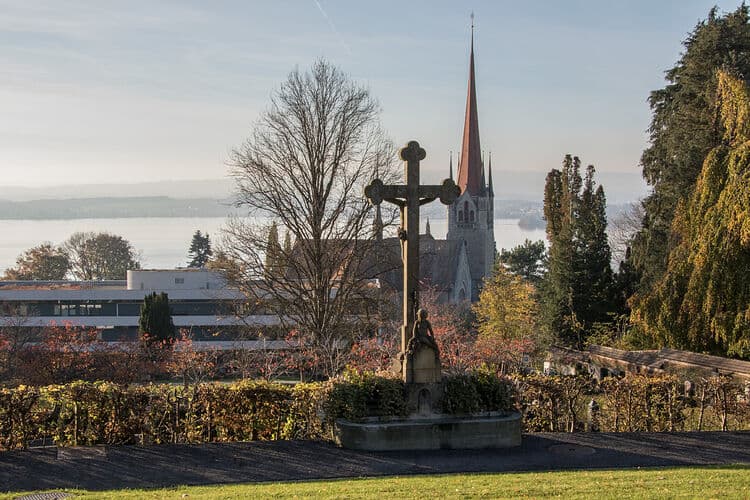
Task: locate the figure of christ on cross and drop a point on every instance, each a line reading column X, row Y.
column 409, row 197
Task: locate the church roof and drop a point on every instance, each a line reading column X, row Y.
column 470, row 167
column 438, row 262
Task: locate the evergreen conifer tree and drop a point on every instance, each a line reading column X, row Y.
column 592, row 253
column 577, row 289
column 200, row 250
column 683, row 130
column 156, row 318
column 527, row 260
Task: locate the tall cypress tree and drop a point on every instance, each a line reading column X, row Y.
column 594, row 296
column 156, row 318
column 577, row 290
column 560, row 205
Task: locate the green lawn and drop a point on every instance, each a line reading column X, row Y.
column 684, row 482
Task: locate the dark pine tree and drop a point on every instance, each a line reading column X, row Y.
column 200, row 250
column 156, row 318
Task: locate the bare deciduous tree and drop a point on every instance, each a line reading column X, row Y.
column 623, row 228
column 15, row 336
column 304, row 168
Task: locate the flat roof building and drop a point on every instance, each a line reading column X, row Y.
column 200, row 299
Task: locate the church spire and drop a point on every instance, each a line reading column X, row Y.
column 450, row 167
column 469, row 169
column 427, row 228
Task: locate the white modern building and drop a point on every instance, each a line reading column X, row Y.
column 200, row 300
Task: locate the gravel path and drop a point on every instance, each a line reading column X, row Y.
column 170, row 465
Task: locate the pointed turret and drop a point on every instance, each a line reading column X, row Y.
column 489, row 180
column 469, row 169
column 450, row 167
column 377, row 225
column 427, row 228
column 484, row 183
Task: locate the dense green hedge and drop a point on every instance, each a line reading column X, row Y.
column 86, row 413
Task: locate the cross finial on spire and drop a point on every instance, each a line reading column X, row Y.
column 472, row 31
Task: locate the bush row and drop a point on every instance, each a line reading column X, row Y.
column 635, row 403
column 91, row 413
column 86, row 413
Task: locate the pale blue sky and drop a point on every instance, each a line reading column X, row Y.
column 103, row 91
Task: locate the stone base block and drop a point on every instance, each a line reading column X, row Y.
column 431, row 433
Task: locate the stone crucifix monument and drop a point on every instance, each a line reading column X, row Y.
column 426, row 427
column 419, row 357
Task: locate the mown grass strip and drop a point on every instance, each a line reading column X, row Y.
column 684, row 482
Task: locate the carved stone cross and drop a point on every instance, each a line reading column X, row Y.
column 409, row 197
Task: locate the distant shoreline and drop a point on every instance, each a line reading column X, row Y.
column 164, row 206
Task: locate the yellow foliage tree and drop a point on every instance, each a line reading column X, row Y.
column 507, row 308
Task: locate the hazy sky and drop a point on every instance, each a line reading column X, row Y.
column 103, row 91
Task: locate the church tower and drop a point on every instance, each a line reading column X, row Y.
column 471, row 216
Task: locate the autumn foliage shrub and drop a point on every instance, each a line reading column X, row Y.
column 635, row 403
column 92, row 413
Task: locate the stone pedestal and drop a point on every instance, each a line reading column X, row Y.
column 422, row 367
column 424, row 400
column 432, row 433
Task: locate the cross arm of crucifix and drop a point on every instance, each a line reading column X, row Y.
column 377, row 192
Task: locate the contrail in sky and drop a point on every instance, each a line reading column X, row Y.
column 333, row 28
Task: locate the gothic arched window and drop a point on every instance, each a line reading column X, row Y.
column 471, row 216
column 460, row 216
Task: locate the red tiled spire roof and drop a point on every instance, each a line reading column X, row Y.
column 470, row 168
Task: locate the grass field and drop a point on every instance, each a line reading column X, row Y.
column 685, row 482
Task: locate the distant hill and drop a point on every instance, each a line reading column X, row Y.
column 621, row 187
column 114, row 208
column 517, row 195
column 208, row 188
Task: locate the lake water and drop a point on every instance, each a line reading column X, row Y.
column 164, row 242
